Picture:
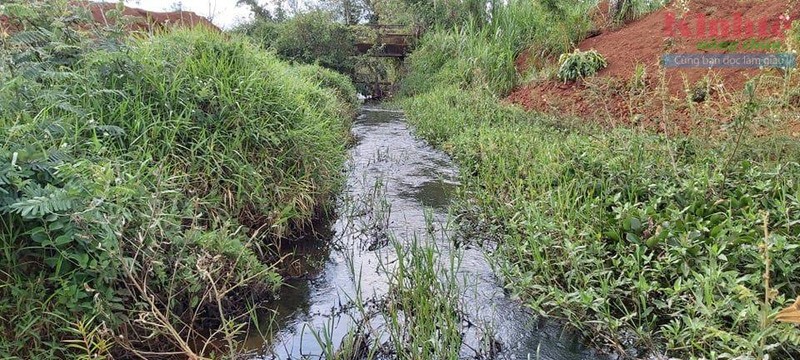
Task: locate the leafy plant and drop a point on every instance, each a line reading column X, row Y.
column 638, row 81
column 314, row 38
column 340, row 84
column 482, row 54
column 143, row 179
column 580, row 64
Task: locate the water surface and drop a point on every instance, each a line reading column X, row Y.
column 394, row 182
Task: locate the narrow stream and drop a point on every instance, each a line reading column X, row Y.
column 395, row 182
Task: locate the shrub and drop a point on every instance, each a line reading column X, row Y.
column 262, row 32
column 141, row 180
column 315, row 38
column 580, row 64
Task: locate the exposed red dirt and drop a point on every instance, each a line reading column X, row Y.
column 138, row 19
column 149, row 20
column 643, row 42
column 523, row 62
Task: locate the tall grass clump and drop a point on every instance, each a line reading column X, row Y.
column 423, row 313
column 340, row 84
column 214, row 109
column 141, row 181
column 481, row 53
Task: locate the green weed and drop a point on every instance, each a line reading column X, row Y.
column 644, row 241
column 142, row 179
column 647, row 241
column 481, row 54
column 580, row 64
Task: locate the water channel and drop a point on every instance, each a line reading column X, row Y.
column 398, row 188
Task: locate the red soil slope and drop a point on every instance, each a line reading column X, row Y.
column 140, row 20
column 644, row 41
column 149, row 20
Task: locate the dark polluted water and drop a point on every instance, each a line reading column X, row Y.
column 397, row 188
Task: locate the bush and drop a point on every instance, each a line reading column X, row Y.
column 262, row 32
column 314, row 38
column 580, row 64
column 140, row 182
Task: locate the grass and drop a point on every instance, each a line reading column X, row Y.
column 482, row 54
column 423, row 313
column 675, row 245
column 420, row 316
column 657, row 243
column 142, row 180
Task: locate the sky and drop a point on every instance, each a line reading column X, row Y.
column 223, row 13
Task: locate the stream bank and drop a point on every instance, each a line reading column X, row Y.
column 396, row 197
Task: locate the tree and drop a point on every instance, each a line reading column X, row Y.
column 314, row 37
column 350, row 12
column 260, row 12
column 176, row 6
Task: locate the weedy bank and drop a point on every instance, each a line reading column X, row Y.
column 143, row 179
column 679, row 245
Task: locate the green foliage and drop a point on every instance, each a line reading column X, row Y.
column 226, row 90
column 580, row 64
column 638, row 81
column 654, row 243
column 260, row 12
column 340, row 84
column 680, row 246
column 447, row 14
column 481, row 54
column 262, row 32
column 424, row 302
column 793, row 37
column 310, row 38
column 296, row 39
column 349, row 12
column 456, row 58
column 139, row 178
column 483, row 109
column 626, row 10
column 479, row 51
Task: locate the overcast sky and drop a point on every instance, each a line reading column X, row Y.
column 223, row 13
